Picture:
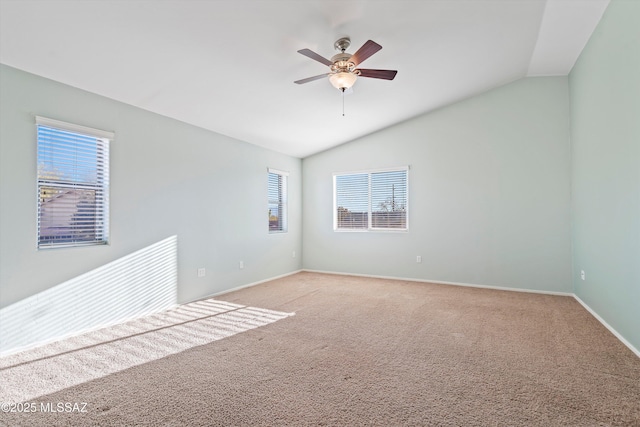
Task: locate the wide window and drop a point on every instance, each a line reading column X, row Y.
column 73, row 184
column 371, row 200
column 277, row 195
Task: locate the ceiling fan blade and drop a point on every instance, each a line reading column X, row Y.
column 378, row 74
column 310, row 79
column 367, row 49
column 311, row 54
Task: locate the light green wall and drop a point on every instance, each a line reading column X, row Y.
column 167, row 179
column 605, row 127
column 489, row 193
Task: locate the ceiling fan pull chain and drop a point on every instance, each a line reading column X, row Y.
column 342, row 101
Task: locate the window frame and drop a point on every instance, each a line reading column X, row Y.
column 100, row 188
column 370, row 211
column 282, row 202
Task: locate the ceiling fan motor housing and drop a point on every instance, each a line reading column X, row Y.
column 341, row 63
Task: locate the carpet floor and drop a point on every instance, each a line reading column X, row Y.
column 316, row 349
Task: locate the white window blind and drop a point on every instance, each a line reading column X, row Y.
column 352, row 201
column 73, row 184
column 373, row 200
column 277, row 200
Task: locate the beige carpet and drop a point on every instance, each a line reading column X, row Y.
column 357, row 351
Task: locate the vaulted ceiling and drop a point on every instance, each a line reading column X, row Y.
column 229, row 65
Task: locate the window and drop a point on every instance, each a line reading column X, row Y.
column 277, row 194
column 373, row 200
column 73, row 184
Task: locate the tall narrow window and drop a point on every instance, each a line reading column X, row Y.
column 372, row 200
column 73, row 184
column 277, row 195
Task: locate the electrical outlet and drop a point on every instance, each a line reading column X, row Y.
column 582, row 275
column 202, row 272
column 419, row 259
column 294, row 254
column 241, row 265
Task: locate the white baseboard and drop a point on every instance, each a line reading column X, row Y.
column 248, row 285
column 440, row 282
column 606, row 325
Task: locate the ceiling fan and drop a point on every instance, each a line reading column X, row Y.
column 343, row 72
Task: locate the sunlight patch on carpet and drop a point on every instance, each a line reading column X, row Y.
column 95, row 354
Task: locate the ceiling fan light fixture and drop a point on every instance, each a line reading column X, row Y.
column 342, row 80
column 342, row 66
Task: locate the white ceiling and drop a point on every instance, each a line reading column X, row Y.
column 229, row 65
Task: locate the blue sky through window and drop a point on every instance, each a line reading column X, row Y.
column 66, row 156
